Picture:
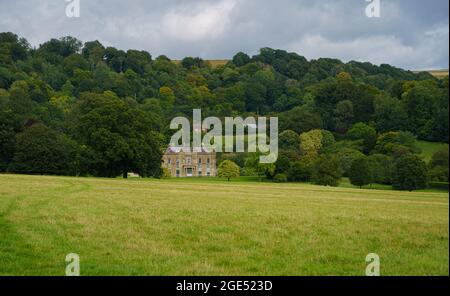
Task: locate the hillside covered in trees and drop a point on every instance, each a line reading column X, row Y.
column 76, row 108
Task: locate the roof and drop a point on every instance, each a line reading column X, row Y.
column 179, row 149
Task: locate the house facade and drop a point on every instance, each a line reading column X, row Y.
column 183, row 163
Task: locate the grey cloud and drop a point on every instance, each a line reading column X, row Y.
column 409, row 34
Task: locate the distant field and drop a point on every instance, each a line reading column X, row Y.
column 214, row 63
column 213, row 227
column 437, row 73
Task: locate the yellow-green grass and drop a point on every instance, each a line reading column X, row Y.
column 436, row 73
column 439, row 73
column 202, row 227
column 213, row 63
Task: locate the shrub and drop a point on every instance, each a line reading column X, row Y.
column 166, row 173
column 326, row 171
column 360, row 172
column 280, row 178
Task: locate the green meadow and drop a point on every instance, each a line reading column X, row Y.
column 214, row 227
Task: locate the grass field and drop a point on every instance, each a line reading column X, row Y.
column 439, row 73
column 203, row 227
column 213, row 63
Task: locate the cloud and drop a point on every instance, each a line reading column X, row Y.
column 380, row 49
column 412, row 34
column 211, row 21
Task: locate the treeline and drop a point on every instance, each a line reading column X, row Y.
column 86, row 109
column 362, row 155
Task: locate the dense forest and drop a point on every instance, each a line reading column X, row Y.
column 70, row 108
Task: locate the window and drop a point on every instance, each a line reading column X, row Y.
column 178, row 173
column 199, row 161
column 178, row 163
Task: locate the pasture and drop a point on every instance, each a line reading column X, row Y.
column 203, row 227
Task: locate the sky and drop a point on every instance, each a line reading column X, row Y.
column 411, row 34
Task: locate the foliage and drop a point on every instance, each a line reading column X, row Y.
column 360, row 173
column 396, row 143
column 40, row 150
column 228, row 169
column 314, row 142
column 301, row 170
column 410, row 173
column 289, row 140
column 439, row 166
column 280, row 178
column 364, row 133
column 115, row 105
column 382, row 168
column 326, row 171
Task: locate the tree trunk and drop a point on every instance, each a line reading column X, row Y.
column 125, row 174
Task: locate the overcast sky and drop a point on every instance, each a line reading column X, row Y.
column 412, row 34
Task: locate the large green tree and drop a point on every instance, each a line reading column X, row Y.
column 119, row 136
column 40, row 150
column 410, row 173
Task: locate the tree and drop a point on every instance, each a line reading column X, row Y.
column 301, row 170
column 260, row 169
column 396, row 143
column 346, row 158
column 40, row 150
column 289, row 140
column 360, row 172
column 326, row 171
column 382, row 168
column 300, row 120
column 20, row 101
column 94, row 52
column 343, row 116
column 228, row 169
column 241, row 59
column 410, row 173
column 119, row 136
column 364, row 133
column 439, row 165
column 75, row 61
column 190, row 63
column 420, row 100
column 315, row 142
column 390, row 114
column 8, row 129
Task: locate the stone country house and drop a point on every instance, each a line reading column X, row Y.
column 184, row 162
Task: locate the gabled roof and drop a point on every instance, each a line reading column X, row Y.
column 178, row 149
